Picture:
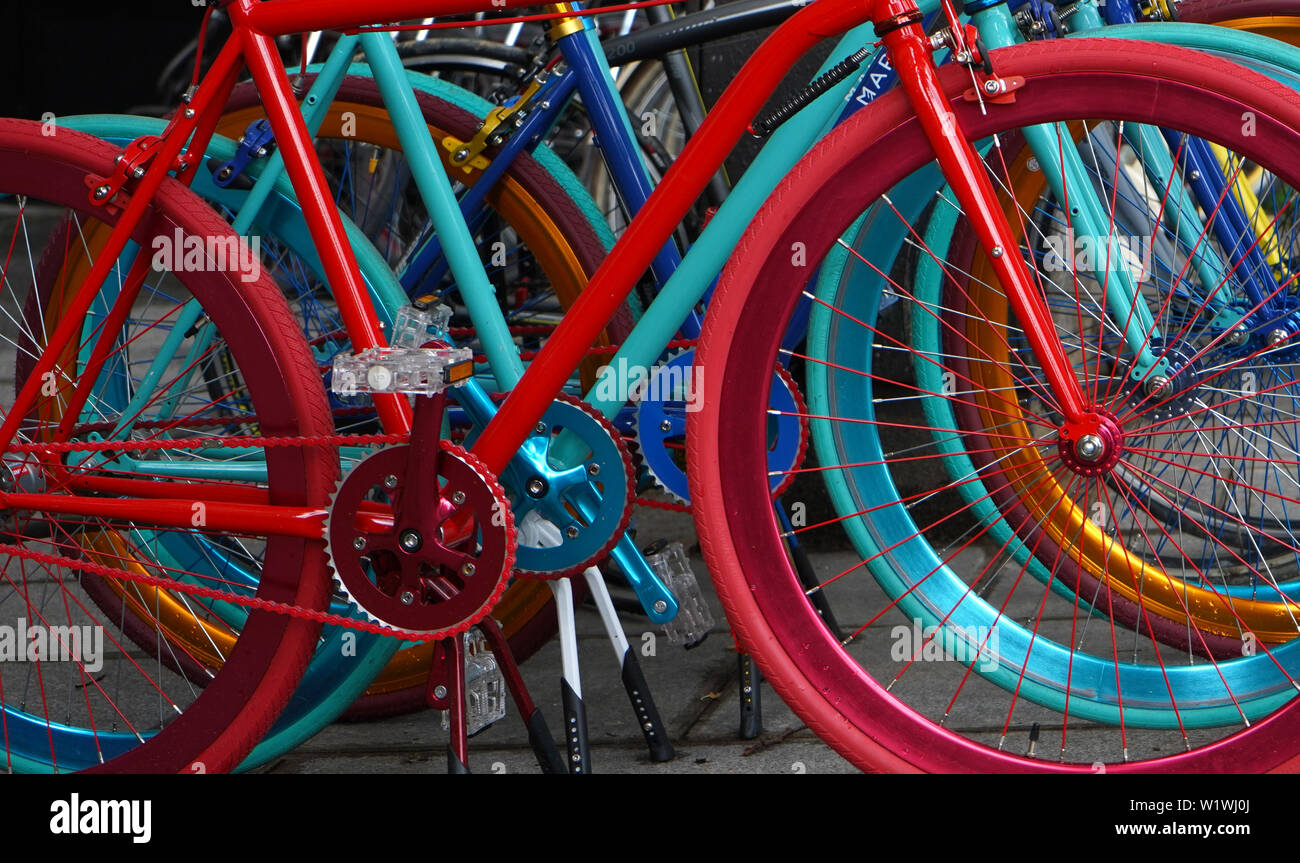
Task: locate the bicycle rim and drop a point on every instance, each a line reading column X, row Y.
column 852, row 694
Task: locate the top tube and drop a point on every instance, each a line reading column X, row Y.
column 287, row 17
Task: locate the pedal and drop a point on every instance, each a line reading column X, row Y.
column 485, row 686
column 416, row 371
column 694, row 620
column 416, row 325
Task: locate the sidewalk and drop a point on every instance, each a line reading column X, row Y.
column 696, row 691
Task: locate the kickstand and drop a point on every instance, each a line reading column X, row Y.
column 751, row 706
column 634, row 682
column 575, row 711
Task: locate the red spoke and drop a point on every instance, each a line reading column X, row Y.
column 915, row 497
column 1024, row 567
column 952, row 397
column 1038, row 617
column 1200, row 635
column 1210, row 294
column 1262, row 493
column 1146, row 429
column 1020, row 440
column 896, row 342
column 1164, row 199
column 1136, row 408
column 887, row 460
column 1042, row 482
column 1155, row 642
column 1208, row 533
column 1069, row 229
column 903, row 292
column 1225, row 601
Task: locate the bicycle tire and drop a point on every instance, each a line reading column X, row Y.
column 228, row 717
column 764, row 599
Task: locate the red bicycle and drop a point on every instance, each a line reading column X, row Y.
column 69, row 509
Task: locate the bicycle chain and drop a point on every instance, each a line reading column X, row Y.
column 331, row 441
column 256, row 603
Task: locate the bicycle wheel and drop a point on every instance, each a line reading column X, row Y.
column 346, row 660
column 1021, row 659
column 840, row 276
column 536, row 201
column 1254, row 532
column 72, row 707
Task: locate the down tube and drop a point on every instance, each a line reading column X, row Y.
column 756, row 80
column 706, row 257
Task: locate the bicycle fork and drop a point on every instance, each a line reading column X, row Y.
column 909, row 48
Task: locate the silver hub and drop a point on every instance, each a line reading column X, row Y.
column 1090, row 448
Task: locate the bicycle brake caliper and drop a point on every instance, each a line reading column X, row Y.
column 499, row 125
column 256, row 143
column 995, row 90
column 128, row 166
column 967, row 49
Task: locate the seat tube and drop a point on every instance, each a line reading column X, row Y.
column 618, row 141
column 294, row 141
column 431, row 179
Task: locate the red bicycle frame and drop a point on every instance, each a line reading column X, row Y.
column 256, row 23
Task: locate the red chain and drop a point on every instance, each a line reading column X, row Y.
column 241, row 441
column 663, row 504
column 205, row 442
column 211, row 593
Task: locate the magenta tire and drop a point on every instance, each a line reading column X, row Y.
column 763, row 598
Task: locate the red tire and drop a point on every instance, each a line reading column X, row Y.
column 211, row 730
column 834, row 690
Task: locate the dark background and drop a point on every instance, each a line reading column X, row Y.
column 78, row 57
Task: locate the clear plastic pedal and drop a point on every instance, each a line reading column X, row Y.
column 417, row 371
column 693, row 620
column 416, row 325
column 485, row 686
